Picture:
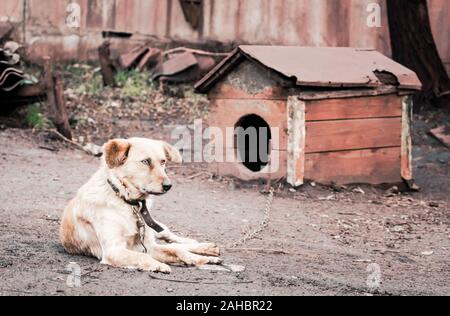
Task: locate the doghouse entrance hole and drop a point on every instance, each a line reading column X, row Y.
column 252, row 142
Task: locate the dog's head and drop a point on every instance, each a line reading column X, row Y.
column 140, row 164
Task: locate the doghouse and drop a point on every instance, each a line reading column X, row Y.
column 334, row 115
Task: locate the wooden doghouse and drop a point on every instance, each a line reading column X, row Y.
column 336, row 115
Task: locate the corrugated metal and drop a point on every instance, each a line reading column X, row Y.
column 274, row 22
column 320, row 66
column 11, row 10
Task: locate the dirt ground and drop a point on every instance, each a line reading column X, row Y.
column 318, row 242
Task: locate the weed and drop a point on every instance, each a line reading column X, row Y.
column 95, row 85
column 86, row 78
column 134, row 83
column 34, row 117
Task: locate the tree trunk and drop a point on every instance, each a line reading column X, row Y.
column 413, row 45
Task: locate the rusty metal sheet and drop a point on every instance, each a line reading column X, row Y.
column 321, row 66
column 193, row 11
column 331, row 66
column 175, row 65
column 151, row 59
column 128, row 60
column 442, row 133
column 183, row 68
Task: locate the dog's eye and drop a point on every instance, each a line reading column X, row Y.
column 147, row 162
column 163, row 163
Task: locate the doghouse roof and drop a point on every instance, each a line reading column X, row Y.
column 319, row 67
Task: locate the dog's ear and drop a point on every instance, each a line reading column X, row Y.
column 116, row 152
column 172, row 153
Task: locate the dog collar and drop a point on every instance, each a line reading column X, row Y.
column 143, row 212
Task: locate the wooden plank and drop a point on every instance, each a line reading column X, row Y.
column 107, row 69
column 49, row 85
column 355, row 108
column 55, row 98
column 310, row 95
column 372, row 166
column 407, row 139
column 353, row 134
column 296, row 141
column 61, row 120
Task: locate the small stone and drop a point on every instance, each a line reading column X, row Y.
column 392, row 191
column 359, row 190
column 93, row 150
column 434, row 204
column 234, row 267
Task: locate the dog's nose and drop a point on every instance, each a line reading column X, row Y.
column 167, row 187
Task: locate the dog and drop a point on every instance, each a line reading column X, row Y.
column 109, row 219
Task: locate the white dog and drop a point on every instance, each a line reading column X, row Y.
column 109, row 219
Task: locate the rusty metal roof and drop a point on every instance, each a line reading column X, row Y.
column 319, row 66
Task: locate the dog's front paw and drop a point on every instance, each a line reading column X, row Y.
column 215, row 260
column 158, row 267
column 208, row 249
column 207, row 260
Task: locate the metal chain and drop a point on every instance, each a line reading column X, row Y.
column 141, row 227
column 140, row 221
column 263, row 225
column 248, row 235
